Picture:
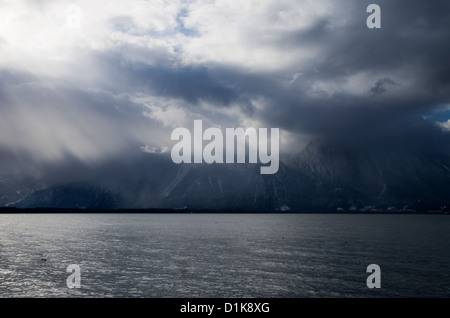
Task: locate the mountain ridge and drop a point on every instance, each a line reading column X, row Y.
column 322, row 177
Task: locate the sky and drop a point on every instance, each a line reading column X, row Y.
column 88, row 81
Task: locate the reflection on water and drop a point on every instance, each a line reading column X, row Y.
column 224, row 255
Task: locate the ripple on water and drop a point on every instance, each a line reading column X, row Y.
column 223, row 255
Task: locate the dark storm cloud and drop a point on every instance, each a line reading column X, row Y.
column 412, row 45
column 412, row 32
column 44, row 122
column 331, row 78
column 379, row 87
column 190, row 83
column 405, row 65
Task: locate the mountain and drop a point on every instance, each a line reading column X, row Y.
column 13, row 189
column 368, row 178
column 75, row 195
column 324, row 176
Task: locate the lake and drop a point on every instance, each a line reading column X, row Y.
column 224, row 255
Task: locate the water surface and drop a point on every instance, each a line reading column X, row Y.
column 224, row 255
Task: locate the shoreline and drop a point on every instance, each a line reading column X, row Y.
column 11, row 210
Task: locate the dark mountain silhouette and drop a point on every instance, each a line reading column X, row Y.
column 323, row 177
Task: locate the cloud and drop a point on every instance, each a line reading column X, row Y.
column 50, row 121
column 157, row 150
column 135, row 70
column 379, row 87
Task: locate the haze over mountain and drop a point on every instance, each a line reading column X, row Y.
column 322, row 177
